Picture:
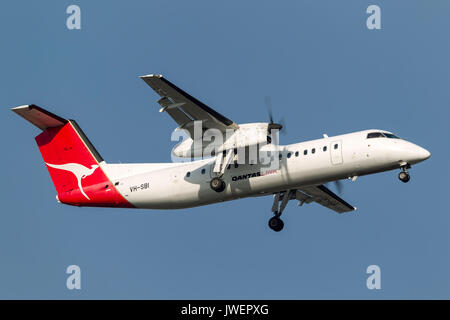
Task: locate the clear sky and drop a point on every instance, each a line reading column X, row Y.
column 325, row 73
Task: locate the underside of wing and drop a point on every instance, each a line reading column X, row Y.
column 323, row 196
column 184, row 108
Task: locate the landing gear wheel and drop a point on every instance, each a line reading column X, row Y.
column 404, row 176
column 217, row 184
column 276, row 224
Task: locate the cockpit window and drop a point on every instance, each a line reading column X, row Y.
column 391, row 136
column 375, row 135
column 381, row 135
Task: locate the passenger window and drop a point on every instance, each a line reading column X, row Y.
column 289, row 154
column 305, row 152
column 296, row 153
column 280, row 156
column 313, row 150
column 188, row 174
column 336, row 146
column 324, row 148
column 203, row 171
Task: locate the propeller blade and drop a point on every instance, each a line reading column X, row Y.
column 283, row 125
column 268, row 102
column 339, row 186
column 272, row 124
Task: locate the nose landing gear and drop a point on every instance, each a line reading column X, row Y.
column 275, row 223
column 404, row 175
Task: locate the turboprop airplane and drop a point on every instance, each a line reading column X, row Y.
column 82, row 178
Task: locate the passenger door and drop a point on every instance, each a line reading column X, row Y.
column 336, row 152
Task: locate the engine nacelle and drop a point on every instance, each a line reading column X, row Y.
column 214, row 141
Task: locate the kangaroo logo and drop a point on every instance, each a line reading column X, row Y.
column 79, row 171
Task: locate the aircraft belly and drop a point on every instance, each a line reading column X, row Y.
column 174, row 189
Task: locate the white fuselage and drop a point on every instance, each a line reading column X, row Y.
column 183, row 185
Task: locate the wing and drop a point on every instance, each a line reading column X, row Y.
column 323, row 196
column 184, row 108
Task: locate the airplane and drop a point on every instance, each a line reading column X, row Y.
column 83, row 178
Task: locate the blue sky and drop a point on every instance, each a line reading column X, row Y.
column 325, row 72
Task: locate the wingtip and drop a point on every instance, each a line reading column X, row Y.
column 25, row 106
column 152, row 76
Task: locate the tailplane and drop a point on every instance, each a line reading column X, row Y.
column 72, row 161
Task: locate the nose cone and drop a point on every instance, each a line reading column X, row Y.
column 422, row 154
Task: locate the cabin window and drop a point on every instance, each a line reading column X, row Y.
column 203, row 171
column 296, row 153
column 336, row 146
column 188, row 174
column 280, row 156
column 324, row 148
column 305, row 152
column 313, row 150
column 289, row 154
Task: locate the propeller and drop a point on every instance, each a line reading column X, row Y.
column 272, row 124
column 338, row 185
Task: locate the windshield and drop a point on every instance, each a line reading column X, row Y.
column 391, row 136
column 381, row 135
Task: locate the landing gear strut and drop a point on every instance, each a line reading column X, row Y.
column 404, row 175
column 275, row 223
column 223, row 159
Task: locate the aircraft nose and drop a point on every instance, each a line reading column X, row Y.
column 422, row 154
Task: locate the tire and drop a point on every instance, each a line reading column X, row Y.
column 404, row 177
column 276, row 224
column 217, row 184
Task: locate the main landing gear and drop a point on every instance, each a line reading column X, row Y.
column 275, row 223
column 404, row 175
column 217, row 184
column 223, row 159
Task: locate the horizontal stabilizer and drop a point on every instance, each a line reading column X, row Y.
column 41, row 118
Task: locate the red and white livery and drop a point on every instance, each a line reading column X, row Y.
column 82, row 178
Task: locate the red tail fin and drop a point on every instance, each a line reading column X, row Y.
column 72, row 161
